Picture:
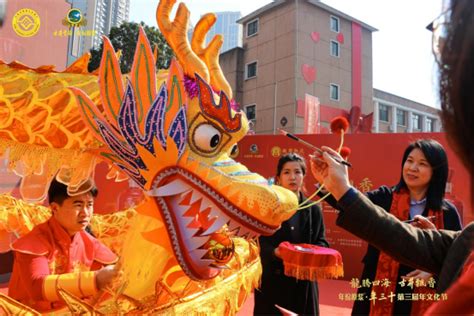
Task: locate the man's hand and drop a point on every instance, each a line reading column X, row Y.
column 105, row 276
column 422, row 222
column 332, row 174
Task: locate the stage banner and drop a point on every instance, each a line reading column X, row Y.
column 311, row 115
column 376, row 160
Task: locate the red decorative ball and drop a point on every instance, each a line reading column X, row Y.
column 220, row 248
column 345, row 152
column 339, row 124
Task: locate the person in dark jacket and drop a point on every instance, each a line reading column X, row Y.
column 445, row 253
column 423, row 181
column 306, row 226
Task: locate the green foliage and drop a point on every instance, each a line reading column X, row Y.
column 125, row 38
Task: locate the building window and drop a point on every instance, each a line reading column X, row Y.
column 251, row 70
column 334, row 49
column 430, row 125
column 252, row 28
column 334, row 92
column 383, row 112
column 250, row 112
column 416, row 121
column 401, row 115
column 334, row 24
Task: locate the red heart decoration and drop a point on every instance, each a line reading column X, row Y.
column 309, row 73
column 315, row 36
column 340, row 38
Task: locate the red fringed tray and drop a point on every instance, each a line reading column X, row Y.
column 310, row 262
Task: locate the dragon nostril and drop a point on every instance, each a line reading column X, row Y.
column 234, row 150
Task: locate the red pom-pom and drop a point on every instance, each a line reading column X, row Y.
column 339, row 123
column 345, row 152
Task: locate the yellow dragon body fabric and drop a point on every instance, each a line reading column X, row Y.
column 190, row 247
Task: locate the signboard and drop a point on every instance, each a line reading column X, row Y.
column 376, row 160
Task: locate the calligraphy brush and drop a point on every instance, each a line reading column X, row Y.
column 319, row 150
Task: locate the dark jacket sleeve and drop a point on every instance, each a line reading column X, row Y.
column 318, row 230
column 381, row 197
column 422, row 249
column 451, row 218
column 267, row 249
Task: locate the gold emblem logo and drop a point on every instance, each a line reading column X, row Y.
column 26, row 22
column 276, row 151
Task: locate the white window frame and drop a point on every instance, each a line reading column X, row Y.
column 429, row 124
column 338, row 91
column 387, row 107
column 245, row 109
column 405, row 116
column 331, row 17
column 246, row 70
column 247, row 27
column 338, row 49
column 418, row 120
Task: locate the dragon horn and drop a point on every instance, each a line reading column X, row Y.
column 176, row 35
column 210, row 54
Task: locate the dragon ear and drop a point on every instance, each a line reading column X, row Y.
column 176, row 93
column 143, row 78
column 89, row 111
column 110, row 82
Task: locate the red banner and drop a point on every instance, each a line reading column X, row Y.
column 376, row 160
column 311, row 114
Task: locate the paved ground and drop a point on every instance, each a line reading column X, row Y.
column 329, row 303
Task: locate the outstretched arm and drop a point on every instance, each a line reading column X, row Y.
column 37, row 281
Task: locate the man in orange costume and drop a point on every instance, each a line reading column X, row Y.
column 61, row 254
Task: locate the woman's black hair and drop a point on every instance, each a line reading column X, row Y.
column 290, row 157
column 438, row 160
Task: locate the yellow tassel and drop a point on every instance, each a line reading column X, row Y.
column 313, row 273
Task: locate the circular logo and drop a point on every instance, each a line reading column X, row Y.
column 26, row 22
column 254, row 149
column 74, row 16
column 275, row 151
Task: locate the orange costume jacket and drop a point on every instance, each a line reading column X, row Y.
column 48, row 258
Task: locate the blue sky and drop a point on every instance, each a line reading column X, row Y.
column 402, row 58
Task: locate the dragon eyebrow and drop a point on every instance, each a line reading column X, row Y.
column 222, row 113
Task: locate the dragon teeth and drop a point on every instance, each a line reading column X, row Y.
column 218, row 223
column 175, row 187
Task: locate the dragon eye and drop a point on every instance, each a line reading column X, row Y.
column 207, row 137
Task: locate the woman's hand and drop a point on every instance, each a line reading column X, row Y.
column 285, row 312
column 417, row 274
column 276, row 252
column 332, row 174
column 422, row 222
